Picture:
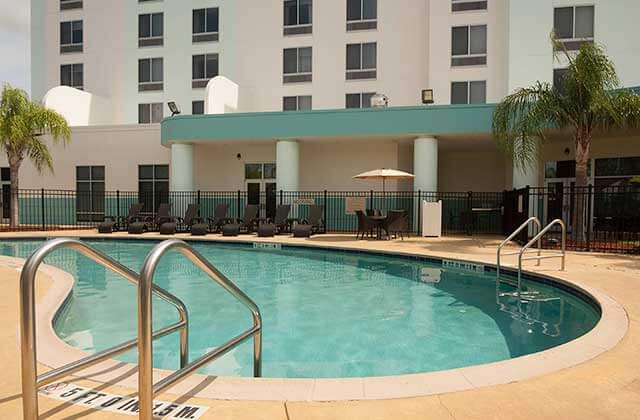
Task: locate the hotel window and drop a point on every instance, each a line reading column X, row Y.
column 296, row 103
column 362, row 14
column 90, row 193
column 573, row 26
column 297, row 65
column 468, row 5
column 359, row 100
column 469, row 45
column 197, row 107
column 72, row 75
column 298, row 17
column 150, row 29
column 206, row 25
column 150, row 74
column 558, row 79
column 150, row 113
column 474, row 92
column 70, row 4
column 71, row 36
column 361, row 61
column 153, row 186
column 203, row 68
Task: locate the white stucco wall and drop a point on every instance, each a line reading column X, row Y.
column 78, row 107
column 119, row 149
column 471, row 171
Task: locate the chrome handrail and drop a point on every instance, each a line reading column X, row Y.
column 146, row 388
column 513, row 235
column 30, row 379
column 538, row 237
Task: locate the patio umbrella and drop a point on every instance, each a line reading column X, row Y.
column 384, row 174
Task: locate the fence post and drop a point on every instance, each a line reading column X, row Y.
column 326, row 221
column 117, row 205
column 419, row 213
column 281, row 197
column 371, row 199
column 470, row 212
column 238, row 204
column 42, row 207
column 198, row 201
column 589, row 215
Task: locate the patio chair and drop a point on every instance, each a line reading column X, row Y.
column 365, row 225
column 191, row 222
column 219, row 217
column 247, row 223
column 150, row 223
column 278, row 224
column 313, row 224
column 395, row 223
column 112, row 223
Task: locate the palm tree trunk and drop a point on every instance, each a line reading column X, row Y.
column 14, row 167
column 583, row 143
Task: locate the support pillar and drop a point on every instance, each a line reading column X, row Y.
column 181, row 177
column 287, row 165
column 425, row 164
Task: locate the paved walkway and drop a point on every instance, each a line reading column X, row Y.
column 606, row 387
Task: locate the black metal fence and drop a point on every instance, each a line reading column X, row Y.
column 610, row 215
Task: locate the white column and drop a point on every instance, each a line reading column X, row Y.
column 181, row 178
column 425, row 164
column 527, row 175
column 287, row 165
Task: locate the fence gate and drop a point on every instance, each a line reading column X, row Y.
column 516, row 211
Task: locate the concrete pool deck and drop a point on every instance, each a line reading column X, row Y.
column 607, row 386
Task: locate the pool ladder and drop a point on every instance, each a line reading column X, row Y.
column 521, row 253
column 146, row 289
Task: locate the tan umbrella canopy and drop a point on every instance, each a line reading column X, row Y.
column 384, row 174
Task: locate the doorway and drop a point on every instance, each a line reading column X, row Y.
column 260, row 181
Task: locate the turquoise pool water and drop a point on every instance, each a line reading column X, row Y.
column 325, row 313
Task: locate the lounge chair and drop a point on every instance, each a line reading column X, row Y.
column 313, row 224
column 112, row 223
column 219, row 217
column 365, row 225
column 191, row 222
column 247, row 223
column 278, row 224
column 150, row 223
column 395, row 223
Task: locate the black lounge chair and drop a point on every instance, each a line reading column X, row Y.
column 247, row 223
column 278, row 224
column 395, row 223
column 219, row 217
column 112, row 223
column 151, row 223
column 312, row 224
column 191, row 222
column 365, row 225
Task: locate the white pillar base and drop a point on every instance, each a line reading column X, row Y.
column 181, row 177
column 287, row 165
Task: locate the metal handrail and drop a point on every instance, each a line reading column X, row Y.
column 146, row 388
column 513, row 235
column 30, row 379
column 538, row 237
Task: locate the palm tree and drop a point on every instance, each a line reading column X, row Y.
column 587, row 101
column 22, row 124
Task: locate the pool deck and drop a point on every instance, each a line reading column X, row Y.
column 606, row 386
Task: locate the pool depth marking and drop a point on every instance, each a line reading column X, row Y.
column 266, row 245
column 86, row 397
column 464, row 266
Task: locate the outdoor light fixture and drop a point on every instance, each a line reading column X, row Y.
column 379, row 100
column 173, row 108
column 427, row 96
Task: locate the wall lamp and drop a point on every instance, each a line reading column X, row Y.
column 173, row 108
column 427, row 96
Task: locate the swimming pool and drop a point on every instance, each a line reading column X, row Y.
column 325, row 313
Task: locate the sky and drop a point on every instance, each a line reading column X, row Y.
column 14, row 43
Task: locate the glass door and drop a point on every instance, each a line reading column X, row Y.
column 561, row 201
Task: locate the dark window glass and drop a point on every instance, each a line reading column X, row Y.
column 558, row 79
column 369, row 55
column 353, row 100
column 304, row 103
column 478, row 39
column 290, row 60
column 366, row 99
column 290, row 103
column 157, row 69
column 212, row 19
column 627, row 166
column 477, row 92
column 77, row 72
column 156, row 112
column 97, row 173
column 459, row 93
column 144, row 114
column 290, row 12
column 354, row 9
column 71, row 32
column 353, row 56
column 145, row 171
column 198, row 67
column 161, row 171
column 199, row 23
column 305, row 11
column 369, row 9
column 157, row 24
column 197, row 107
column 584, row 21
column 83, row 173
column 65, row 75
column 90, row 193
column 5, row 174
column 211, row 63
column 144, row 70
column 304, row 60
column 76, row 34
column 563, row 22
column 144, row 26
column 269, row 171
column 65, row 33
column 253, row 171
column 460, row 40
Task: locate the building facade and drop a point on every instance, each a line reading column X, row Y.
column 303, row 64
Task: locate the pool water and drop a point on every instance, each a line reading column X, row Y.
column 325, row 313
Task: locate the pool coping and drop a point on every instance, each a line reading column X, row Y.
column 54, row 352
